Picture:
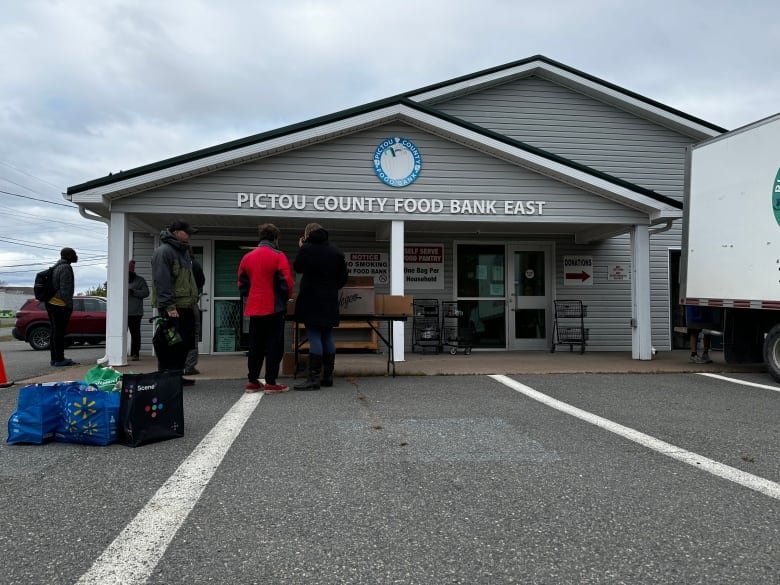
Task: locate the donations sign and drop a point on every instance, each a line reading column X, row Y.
column 577, row 270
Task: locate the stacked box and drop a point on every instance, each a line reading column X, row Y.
column 393, row 305
column 357, row 297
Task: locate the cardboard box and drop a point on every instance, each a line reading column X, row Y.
column 357, row 297
column 288, row 363
column 360, row 281
column 393, row 305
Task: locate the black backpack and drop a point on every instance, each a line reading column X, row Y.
column 43, row 289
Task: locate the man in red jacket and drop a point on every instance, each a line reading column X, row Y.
column 265, row 279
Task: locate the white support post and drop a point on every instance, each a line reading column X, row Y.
column 397, row 283
column 641, row 330
column 116, row 319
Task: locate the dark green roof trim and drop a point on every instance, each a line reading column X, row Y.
column 403, row 99
column 232, row 145
column 228, row 146
column 577, row 72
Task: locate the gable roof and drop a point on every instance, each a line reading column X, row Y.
column 577, row 80
column 418, row 108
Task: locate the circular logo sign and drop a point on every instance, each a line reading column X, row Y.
column 776, row 197
column 397, row 162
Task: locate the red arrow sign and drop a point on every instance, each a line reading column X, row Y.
column 582, row 276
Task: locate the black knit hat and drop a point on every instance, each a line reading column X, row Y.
column 183, row 226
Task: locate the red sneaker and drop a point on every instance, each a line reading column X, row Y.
column 253, row 387
column 275, row 388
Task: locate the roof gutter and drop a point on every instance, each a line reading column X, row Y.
column 83, row 213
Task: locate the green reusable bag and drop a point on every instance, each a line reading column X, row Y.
column 105, row 378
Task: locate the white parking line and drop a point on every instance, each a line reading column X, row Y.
column 134, row 554
column 759, row 484
column 743, row 382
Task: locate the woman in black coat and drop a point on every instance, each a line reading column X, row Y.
column 324, row 272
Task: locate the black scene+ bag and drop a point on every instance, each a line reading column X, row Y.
column 151, row 408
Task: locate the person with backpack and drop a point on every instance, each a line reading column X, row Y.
column 60, row 306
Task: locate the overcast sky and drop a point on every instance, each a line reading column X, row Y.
column 91, row 87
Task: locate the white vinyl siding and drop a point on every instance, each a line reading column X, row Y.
column 583, row 129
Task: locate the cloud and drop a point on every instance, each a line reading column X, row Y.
column 90, row 88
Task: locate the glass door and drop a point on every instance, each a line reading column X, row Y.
column 529, row 296
column 481, row 295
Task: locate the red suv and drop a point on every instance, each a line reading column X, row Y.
column 87, row 323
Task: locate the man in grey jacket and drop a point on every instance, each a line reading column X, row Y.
column 174, row 294
column 60, row 306
column 137, row 291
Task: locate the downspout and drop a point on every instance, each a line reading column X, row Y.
column 91, row 217
column 85, row 215
column 664, row 228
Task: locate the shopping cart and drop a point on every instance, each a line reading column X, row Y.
column 457, row 332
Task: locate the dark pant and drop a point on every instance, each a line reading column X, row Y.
column 58, row 321
column 266, row 343
column 172, row 357
column 134, row 326
column 320, row 340
column 192, row 356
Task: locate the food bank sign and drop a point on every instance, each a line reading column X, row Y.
column 423, row 266
column 389, row 205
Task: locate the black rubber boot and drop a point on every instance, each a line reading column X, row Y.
column 313, row 381
column 328, row 363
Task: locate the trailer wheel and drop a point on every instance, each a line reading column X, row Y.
column 772, row 352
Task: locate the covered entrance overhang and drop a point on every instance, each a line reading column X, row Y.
column 202, row 189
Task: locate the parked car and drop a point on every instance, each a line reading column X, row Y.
column 87, row 323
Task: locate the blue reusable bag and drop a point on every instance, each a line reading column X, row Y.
column 88, row 415
column 37, row 414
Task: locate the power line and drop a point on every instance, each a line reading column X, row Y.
column 28, row 243
column 82, row 262
column 7, row 180
column 18, row 170
column 25, row 244
column 36, row 199
column 39, row 267
column 33, row 216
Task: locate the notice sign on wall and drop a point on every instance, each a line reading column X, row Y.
column 373, row 264
column 577, row 270
column 424, row 266
column 618, row 272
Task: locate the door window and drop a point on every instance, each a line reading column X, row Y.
column 481, row 291
column 529, row 282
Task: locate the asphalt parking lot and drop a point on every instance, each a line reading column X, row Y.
column 413, row 480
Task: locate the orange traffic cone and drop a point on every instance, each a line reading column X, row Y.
column 4, row 383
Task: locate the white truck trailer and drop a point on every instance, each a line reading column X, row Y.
column 731, row 239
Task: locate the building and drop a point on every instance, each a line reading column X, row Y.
column 13, row 297
column 502, row 190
